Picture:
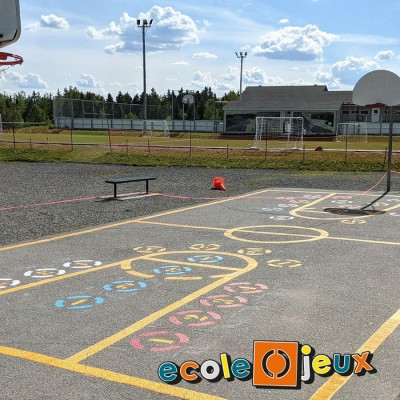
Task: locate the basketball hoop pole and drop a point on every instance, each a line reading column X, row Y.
column 390, row 151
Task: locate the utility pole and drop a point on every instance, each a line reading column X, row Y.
column 242, row 56
column 144, row 25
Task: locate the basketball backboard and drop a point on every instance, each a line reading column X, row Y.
column 188, row 99
column 10, row 22
column 377, row 87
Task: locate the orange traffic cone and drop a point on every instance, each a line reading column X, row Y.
column 218, row 183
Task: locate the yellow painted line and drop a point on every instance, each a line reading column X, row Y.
column 336, row 381
column 210, row 228
column 118, row 224
column 238, row 230
column 306, row 209
column 317, row 201
column 79, row 302
column 198, row 278
column 364, row 241
column 250, row 229
column 66, row 236
column 196, row 264
column 161, row 341
column 202, row 205
column 57, row 278
column 391, row 208
column 109, row 341
column 107, row 375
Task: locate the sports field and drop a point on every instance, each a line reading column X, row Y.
column 203, row 150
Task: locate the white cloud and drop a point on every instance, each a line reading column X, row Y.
column 231, row 74
column 171, row 30
column 323, row 77
column 112, row 31
column 205, row 55
column 384, row 55
column 254, row 75
column 368, row 40
column 295, row 43
column 203, row 79
column 88, row 81
column 50, row 21
column 115, row 84
column 180, row 63
column 350, row 70
column 53, row 22
column 225, row 87
column 274, row 81
column 284, row 21
column 28, row 81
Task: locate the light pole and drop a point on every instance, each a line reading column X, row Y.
column 144, row 25
column 242, row 56
column 172, row 107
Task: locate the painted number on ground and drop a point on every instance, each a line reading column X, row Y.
column 284, row 263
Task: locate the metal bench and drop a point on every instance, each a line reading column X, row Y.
column 115, row 182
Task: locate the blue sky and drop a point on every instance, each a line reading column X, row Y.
column 96, row 45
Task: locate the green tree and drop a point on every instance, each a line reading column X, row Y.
column 36, row 114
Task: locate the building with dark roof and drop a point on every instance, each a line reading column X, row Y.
column 320, row 108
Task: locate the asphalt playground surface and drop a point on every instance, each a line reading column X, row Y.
column 91, row 307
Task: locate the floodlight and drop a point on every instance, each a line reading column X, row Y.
column 242, row 57
column 144, row 25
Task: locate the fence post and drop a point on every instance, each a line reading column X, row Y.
column 13, row 129
column 384, row 158
column 266, row 146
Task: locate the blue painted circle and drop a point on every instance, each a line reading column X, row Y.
column 177, row 270
column 68, row 302
column 138, row 286
column 205, row 259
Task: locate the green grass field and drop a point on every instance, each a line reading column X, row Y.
column 206, row 150
column 196, row 140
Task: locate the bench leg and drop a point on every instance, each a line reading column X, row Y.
column 147, row 186
column 115, row 190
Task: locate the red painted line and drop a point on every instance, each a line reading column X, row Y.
column 373, row 187
column 49, row 203
column 77, row 200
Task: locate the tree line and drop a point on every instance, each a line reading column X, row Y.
column 38, row 108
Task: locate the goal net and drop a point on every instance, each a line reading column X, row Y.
column 352, row 131
column 287, row 131
column 155, row 129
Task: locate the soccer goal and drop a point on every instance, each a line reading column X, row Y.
column 288, row 131
column 352, row 131
column 156, row 129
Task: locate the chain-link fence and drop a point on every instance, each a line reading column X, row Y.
column 77, row 108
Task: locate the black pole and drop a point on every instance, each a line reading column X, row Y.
column 390, row 151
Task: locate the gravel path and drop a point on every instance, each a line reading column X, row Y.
column 42, row 199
